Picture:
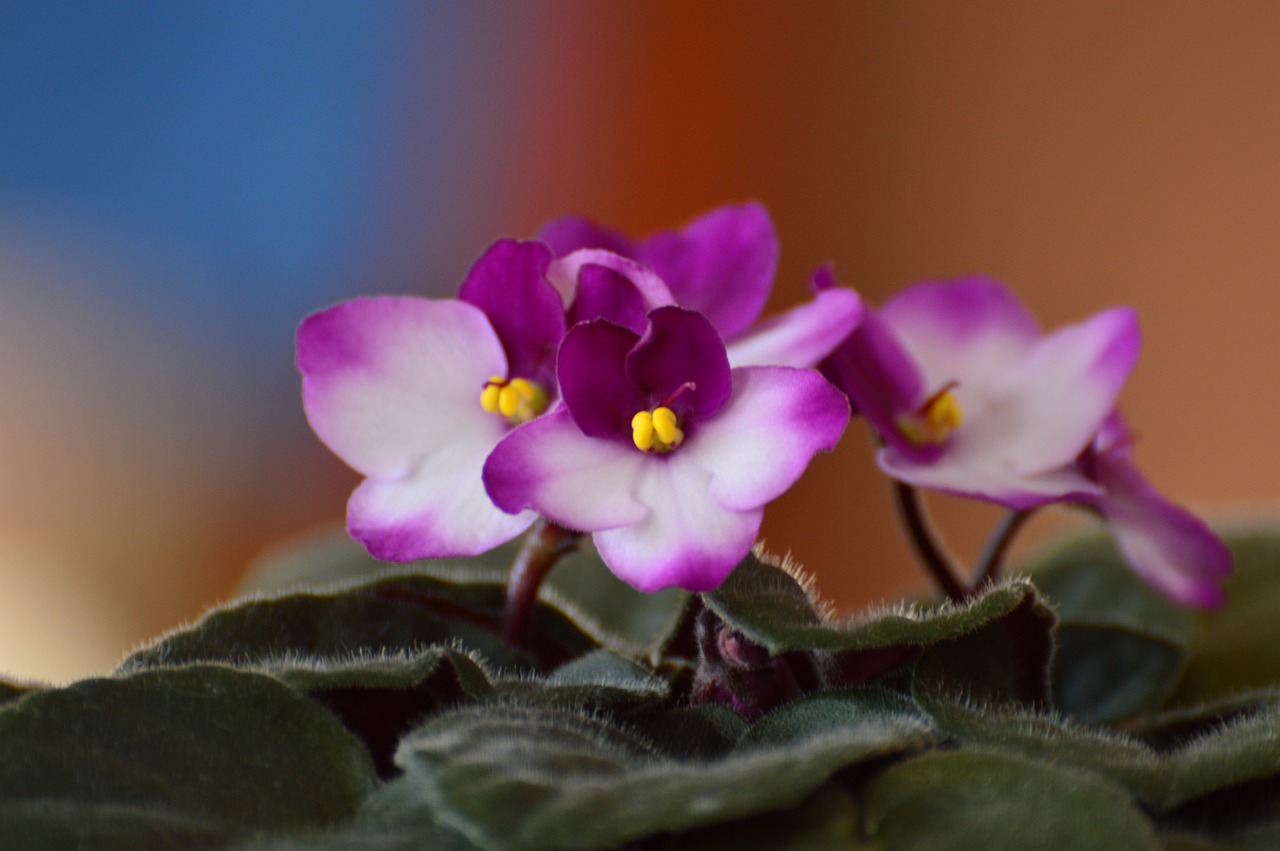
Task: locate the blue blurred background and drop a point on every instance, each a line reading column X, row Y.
column 180, row 183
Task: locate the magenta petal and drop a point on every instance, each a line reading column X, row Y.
column 962, row 329
column 688, row 540
column 564, row 272
column 577, row 481
column 509, row 284
column 594, row 384
column 570, row 233
column 1171, row 549
column 960, row 475
column 721, row 264
column 760, row 442
column 605, row 294
column 882, row 382
column 682, row 352
column 803, row 335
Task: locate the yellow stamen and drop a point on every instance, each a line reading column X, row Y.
column 489, row 395
column 656, row 431
column 518, row 400
column 933, row 422
column 642, row 430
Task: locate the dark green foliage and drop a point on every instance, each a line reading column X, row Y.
column 348, row 704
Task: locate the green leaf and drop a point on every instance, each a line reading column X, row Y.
column 398, row 611
column 527, row 778
column 600, row 680
column 1235, row 650
column 1120, row 645
column 769, row 606
column 616, row 615
column 1005, row 660
column 173, row 758
column 828, row 821
column 963, row 800
column 1235, row 753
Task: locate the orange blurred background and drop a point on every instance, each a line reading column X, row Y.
column 1089, row 154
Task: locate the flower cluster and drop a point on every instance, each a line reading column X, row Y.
column 629, row 389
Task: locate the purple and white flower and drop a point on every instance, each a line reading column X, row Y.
column 721, row 265
column 662, row 451
column 971, row 398
column 1166, row 545
column 414, row 393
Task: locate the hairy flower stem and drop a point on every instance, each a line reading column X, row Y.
column 545, row 545
column 925, row 541
column 992, row 558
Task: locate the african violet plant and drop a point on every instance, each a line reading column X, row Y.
column 561, row 637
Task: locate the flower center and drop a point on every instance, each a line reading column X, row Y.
column 932, row 423
column 656, row 431
column 518, row 400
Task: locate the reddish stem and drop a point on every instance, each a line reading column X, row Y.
column 545, row 545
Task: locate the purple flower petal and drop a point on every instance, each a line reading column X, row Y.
column 392, row 386
column 577, row 481
column 563, row 274
column 961, row 475
column 763, row 438
column 1171, row 549
column 688, row 539
column 605, row 294
column 594, row 383
column 570, row 233
column 961, row 330
column 1044, row 410
column 803, row 335
column 386, row 381
column 509, row 283
column 721, row 264
column 438, row 510
column 882, row 381
column 681, row 351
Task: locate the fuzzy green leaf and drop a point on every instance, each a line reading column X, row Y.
column 1121, row 646
column 524, row 778
column 1235, row 650
column 187, row 758
column 397, row 612
column 963, row 800
column 616, row 615
column 770, row 607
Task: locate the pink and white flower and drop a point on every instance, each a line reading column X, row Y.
column 662, row 451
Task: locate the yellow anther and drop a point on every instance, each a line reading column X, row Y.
column 656, row 430
column 945, row 414
column 489, row 395
column 933, row 422
column 519, row 400
column 664, row 423
column 642, row 430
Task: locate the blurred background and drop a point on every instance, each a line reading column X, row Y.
column 181, row 183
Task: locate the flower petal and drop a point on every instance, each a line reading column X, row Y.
column 605, row 294
column 961, row 330
column 563, row 274
column 956, row 474
column 682, row 352
column 721, row 264
column 390, row 382
column 1044, row 410
column 594, row 384
column 687, row 540
column 1171, row 549
column 803, row 335
column 509, row 283
column 570, row 233
column 577, row 481
column 440, row 509
column 882, row 381
column 762, row 439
